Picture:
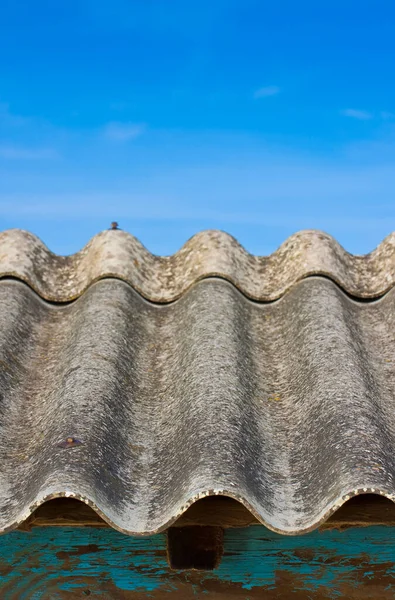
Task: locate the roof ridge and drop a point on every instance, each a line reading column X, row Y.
column 117, row 254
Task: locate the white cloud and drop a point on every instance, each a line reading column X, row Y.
column 269, row 90
column 361, row 115
column 23, row 153
column 216, row 185
column 122, row 132
column 75, row 206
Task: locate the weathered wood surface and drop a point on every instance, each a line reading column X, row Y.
column 75, row 563
column 364, row 510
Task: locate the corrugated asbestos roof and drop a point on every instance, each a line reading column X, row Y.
column 267, row 379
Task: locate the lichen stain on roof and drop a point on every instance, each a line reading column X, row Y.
column 116, row 253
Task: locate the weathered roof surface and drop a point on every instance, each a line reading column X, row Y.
column 287, row 406
column 115, row 253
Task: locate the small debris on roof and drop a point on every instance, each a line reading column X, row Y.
column 70, row 442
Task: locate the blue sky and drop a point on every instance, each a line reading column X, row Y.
column 259, row 118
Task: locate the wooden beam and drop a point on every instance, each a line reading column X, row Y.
column 71, row 563
column 360, row 511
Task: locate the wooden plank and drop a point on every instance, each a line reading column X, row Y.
column 363, row 510
column 76, row 563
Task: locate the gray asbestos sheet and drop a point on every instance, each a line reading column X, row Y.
column 288, row 406
column 115, row 253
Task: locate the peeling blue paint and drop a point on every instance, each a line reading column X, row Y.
column 256, row 555
column 64, row 558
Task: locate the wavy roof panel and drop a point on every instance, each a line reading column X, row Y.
column 115, row 253
column 140, row 408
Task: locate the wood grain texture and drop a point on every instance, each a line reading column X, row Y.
column 68, row 563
